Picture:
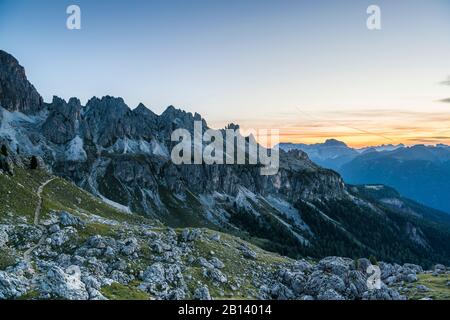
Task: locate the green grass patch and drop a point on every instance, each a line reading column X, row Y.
column 236, row 266
column 30, row 295
column 63, row 195
column 437, row 285
column 117, row 291
column 187, row 213
column 6, row 259
column 18, row 192
column 92, row 229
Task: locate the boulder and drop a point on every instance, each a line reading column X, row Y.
column 191, row 235
column 217, row 263
column 54, row 228
column 281, row 292
column 69, row 220
column 440, row 268
column 302, row 266
column 165, row 281
column 319, row 282
column 356, row 283
column 215, row 237
column 174, row 294
column 129, row 246
column 248, row 253
column 12, row 286
column 363, row 264
column 62, row 237
column 384, row 293
column 414, row 268
column 202, row 293
column 216, row 275
column 422, row 288
column 388, row 270
column 412, row 277
column 330, row 294
column 59, row 284
column 205, row 263
column 335, row 265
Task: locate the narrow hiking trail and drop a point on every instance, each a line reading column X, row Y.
column 37, row 214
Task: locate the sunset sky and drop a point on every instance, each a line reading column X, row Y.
column 310, row 68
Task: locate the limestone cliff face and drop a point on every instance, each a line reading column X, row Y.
column 132, row 152
column 63, row 121
column 124, row 155
column 16, row 92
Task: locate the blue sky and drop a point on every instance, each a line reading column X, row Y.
column 310, row 68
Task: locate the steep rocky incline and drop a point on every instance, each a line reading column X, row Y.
column 89, row 250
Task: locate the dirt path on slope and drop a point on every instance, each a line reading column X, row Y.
column 37, row 214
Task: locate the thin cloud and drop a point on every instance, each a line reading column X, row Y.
column 364, row 127
column 446, row 82
column 392, row 113
column 347, row 126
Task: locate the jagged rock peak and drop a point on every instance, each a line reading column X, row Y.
column 141, row 109
column 114, row 106
column 106, row 99
column 16, row 92
column 69, row 109
column 59, row 102
column 182, row 118
column 171, row 111
column 74, row 102
column 61, row 124
column 232, row 126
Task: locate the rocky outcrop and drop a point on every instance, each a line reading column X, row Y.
column 202, row 293
column 72, row 261
column 63, row 121
column 6, row 164
column 12, row 286
column 16, row 92
column 332, row 278
column 60, row 284
column 122, row 156
column 68, row 220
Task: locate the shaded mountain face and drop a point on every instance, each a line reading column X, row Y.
column 16, row 92
column 123, row 157
column 118, row 256
column 419, row 172
column 331, row 154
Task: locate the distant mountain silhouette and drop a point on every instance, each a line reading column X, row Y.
column 419, row 172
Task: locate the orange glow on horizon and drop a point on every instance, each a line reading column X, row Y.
column 362, row 128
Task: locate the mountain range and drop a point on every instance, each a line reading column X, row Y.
column 92, row 207
column 418, row 172
column 121, row 157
